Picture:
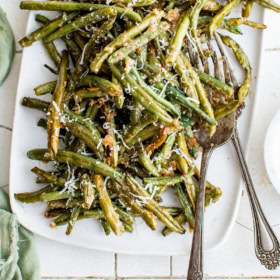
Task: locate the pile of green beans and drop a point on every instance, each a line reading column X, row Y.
column 123, row 108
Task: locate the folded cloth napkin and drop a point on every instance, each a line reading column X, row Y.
column 18, row 255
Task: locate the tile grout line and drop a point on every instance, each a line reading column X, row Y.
column 116, row 267
column 6, row 127
column 156, row 277
column 272, row 50
column 171, row 266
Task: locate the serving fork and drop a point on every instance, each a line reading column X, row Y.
column 266, row 244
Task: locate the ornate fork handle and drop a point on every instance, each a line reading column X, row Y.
column 266, row 243
column 195, row 271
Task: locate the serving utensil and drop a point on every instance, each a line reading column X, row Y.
column 266, row 244
column 224, row 132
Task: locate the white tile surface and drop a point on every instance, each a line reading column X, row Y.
column 17, row 18
column 8, row 94
column 5, row 137
column 234, row 259
column 143, row 266
column 62, row 260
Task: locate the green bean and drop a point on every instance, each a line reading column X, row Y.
column 77, row 160
column 103, row 84
column 106, row 226
column 153, row 206
column 87, row 191
column 52, row 70
column 166, row 104
column 185, row 204
column 131, row 203
column 174, row 211
column 77, row 73
column 73, row 218
column 146, row 162
column 85, row 93
column 65, row 203
column 31, row 197
column 145, row 134
column 79, row 40
column 184, row 101
column 54, row 213
column 212, row 195
column 225, row 109
column 111, row 142
column 247, row 8
column 55, row 107
column 205, row 104
column 215, row 83
column 45, row 88
column 132, row 45
column 73, row 6
column 191, row 191
column 218, row 18
column 127, row 227
column 193, row 23
column 186, row 80
column 181, row 219
column 53, row 53
column 73, row 48
column 141, row 95
column 119, row 100
column 177, row 39
column 35, row 103
column 107, row 207
column 239, row 21
column 137, row 3
column 182, row 164
column 85, row 122
column 124, row 215
column 46, row 197
column 92, row 111
column 166, row 150
column 41, row 19
column 164, row 181
column 83, row 133
column 205, row 20
column 49, row 177
column 44, row 31
column 245, row 64
column 81, row 64
column 123, row 38
column 96, row 214
column 93, row 17
column 136, row 112
column 60, row 218
column 134, row 130
column 169, row 6
column 269, row 4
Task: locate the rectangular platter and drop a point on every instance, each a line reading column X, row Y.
column 223, row 169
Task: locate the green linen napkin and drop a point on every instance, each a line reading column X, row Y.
column 18, row 255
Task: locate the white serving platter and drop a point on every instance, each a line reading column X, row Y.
column 223, row 169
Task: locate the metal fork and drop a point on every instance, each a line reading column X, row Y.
column 266, row 244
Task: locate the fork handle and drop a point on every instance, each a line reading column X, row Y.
column 266, row 243
column 195, row 271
